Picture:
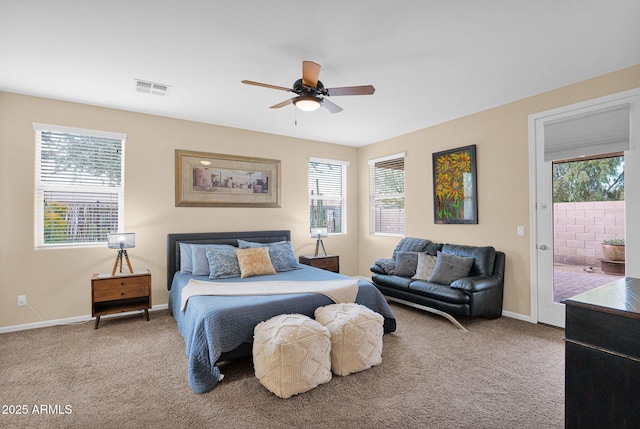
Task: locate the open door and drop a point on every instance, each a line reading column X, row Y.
column 589, row 129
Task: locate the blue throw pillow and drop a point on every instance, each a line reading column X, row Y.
column 282, row 256
column 223, row 262
column 200, row 263
column 247, row 244
column 186, row 265
column 280, row 252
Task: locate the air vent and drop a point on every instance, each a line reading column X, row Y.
column 146, row 87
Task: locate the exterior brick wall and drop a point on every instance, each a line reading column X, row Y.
column 579, row 228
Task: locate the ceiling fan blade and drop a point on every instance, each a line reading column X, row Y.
column 331, row 107
column 284, row 103
column 266, row 85
column 350, row 90
column 310, row 73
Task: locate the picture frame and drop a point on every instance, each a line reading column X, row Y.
column 455, row 195
column 219, row 180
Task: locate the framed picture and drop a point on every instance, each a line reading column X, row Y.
column 217, row 180
column 455, row 198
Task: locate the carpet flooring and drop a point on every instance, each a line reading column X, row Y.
column 131, row 373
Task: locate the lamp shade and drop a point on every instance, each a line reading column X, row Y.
column 319, row 232
column 121, row 240
column 307, row 103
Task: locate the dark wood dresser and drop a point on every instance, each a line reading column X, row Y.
column 602, row 361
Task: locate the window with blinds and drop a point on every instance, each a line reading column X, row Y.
column 386, row 195
column 327, row 194
column 80, row 186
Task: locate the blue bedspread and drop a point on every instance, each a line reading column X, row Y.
column 212, row 325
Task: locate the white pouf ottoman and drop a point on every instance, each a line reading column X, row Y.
column 356, row 336
column 291, row 354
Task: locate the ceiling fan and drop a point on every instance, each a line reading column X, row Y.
column 311, row 93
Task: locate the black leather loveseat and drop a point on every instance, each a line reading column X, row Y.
column 447, row 279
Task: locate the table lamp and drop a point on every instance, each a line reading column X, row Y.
column 121, row 241
column 319, row 233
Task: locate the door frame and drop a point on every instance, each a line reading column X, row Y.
column 534, row 141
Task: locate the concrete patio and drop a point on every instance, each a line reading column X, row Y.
column 571, row 280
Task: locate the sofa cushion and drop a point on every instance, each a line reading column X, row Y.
column 439, row 292
column 409, row 244
column 406, row 264
column 484, row 257
column 395, row 282
column 432, row 248
column 426, row 264
column 450, row 267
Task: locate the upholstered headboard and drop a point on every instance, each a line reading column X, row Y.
column 174, row 240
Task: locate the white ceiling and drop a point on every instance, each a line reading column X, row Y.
column 429, row 60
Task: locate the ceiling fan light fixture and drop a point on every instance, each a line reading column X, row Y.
column 307, row 103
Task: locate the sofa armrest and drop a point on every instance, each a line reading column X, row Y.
column 383, row 266
column 476, row 284
column 377, row 269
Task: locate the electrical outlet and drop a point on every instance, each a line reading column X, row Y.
column 22, row 300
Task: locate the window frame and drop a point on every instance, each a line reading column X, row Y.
column 342, row 198
column 373, row 197
column 42, row 186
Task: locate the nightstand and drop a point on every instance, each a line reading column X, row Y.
column 120, row 293
column 328, row 262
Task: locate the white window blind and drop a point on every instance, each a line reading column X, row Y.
column 327, row 194
column 80, row 186
column 594, row 133
column 386, row 195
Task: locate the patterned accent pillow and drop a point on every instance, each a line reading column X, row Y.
column 281, row 253
column 254, row 262
column 282, row 256
column 450, row 267
column 200, row 262
column 223, row 263
column 426, row 264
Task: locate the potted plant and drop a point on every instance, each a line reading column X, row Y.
column 613, row 250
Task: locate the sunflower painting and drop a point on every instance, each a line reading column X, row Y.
column 454, row 186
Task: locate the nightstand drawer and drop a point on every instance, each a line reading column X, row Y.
column 120, row 283
column 328, row 263
column 120, row 292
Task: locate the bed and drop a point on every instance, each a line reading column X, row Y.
column 220, row 328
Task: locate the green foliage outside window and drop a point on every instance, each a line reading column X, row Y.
column 592, row 180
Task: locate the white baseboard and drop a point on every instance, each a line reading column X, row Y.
column 518, row 316
column 71, row 320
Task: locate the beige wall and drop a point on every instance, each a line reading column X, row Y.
column 502, row 139
column 57, row 282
